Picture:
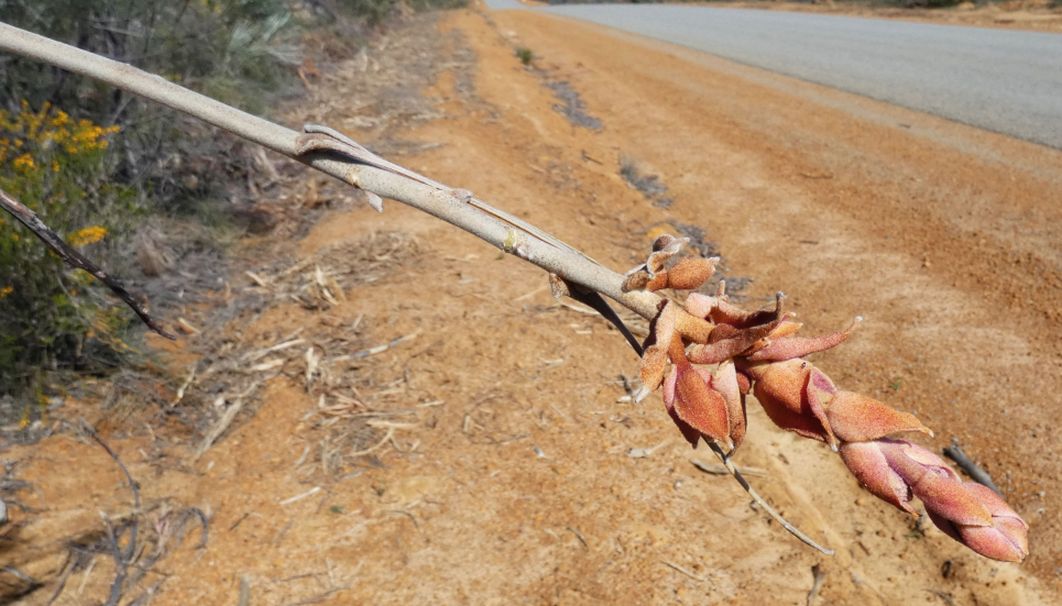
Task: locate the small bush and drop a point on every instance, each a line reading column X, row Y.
column 377, row 11
column 525, row 55
column 59, row 167
column 240, row 51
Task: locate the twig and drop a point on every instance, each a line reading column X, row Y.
column 301, row 496
column 31, row 584
column 184, row 387
column 224, row 422
column 68, row 569
column 75, row 259
column 683, row 570
column 121, row 559
column 120, row 563
column 321, row 596
column 579, row 536
column 372, row 351
column 819, row 576
column 387, row 437
column 793, row 530
column 646, row 451
column 721, row 470
column 219, row 428
column 955, row 453
column 245, row 591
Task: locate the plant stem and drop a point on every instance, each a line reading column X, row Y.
column 567, row 264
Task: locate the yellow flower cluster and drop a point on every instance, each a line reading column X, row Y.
column 5, row 291
column 29, row 133
column 88, row 235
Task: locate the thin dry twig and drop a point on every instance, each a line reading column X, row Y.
column 226, row 419
column 721, row 470
column 683, row 570
column 819, row 577
column 184, row 386
column 245, row 591
column 372, row 351
column 976, row 473
column 301, row 496
column 793, row 530
column 73, row 258
column 121, row 559
column 30, row 584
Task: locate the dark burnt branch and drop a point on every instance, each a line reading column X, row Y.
column 74, row 258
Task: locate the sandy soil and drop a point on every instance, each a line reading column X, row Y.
column 498, row 466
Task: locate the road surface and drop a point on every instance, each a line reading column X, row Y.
column 1001, row 80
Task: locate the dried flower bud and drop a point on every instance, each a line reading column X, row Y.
column 691, row 273
column 703, row 403
column 896, row 470
column 801, row 398
column 1006, row 539
column 788, row 347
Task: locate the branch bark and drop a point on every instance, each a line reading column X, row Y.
column 75, row 259
column 568, row 264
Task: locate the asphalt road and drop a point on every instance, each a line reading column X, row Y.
column 1002, row 80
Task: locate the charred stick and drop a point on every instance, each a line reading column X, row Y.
column 72, row 257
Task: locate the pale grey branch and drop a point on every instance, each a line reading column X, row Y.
column 531, row 245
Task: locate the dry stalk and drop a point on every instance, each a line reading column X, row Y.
column 771, row 511
column 72, row 257
column 983, row 521
column 507, row 233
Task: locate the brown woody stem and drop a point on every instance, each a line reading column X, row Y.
column 74, row 258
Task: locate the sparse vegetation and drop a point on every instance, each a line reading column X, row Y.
column 87, row 157
column 526, row 55
column 60, row 167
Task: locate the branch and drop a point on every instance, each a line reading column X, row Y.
column 777, row 517
column 494, row 228
column 121, row 559
column 75, row 259
column 979, row 475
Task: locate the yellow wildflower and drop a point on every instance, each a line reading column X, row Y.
column 24, row 163
column 60, row 119
column 5, row 291
column 88, row 235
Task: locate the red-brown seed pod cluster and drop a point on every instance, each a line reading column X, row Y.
column 708, row 354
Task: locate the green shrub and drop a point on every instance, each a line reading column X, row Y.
column 525, row 55
column 240, row 51
column 377, row 11
column 373, row 11
column 58, row 167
